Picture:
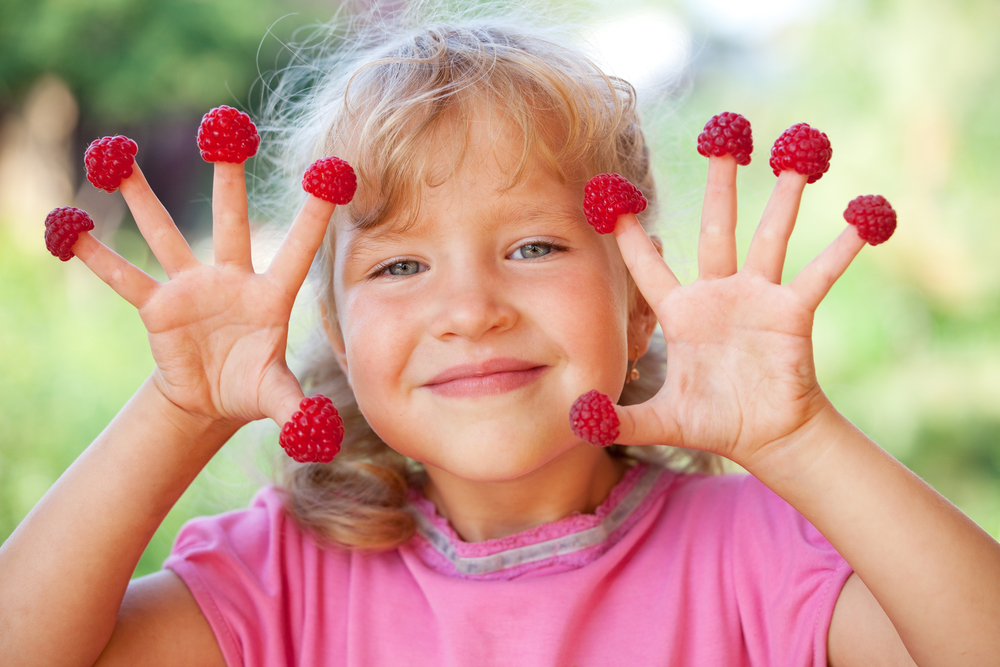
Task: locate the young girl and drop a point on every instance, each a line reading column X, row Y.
column 466, row 305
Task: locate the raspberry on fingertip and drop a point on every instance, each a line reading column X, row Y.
column 803, row 149
column 332, row 179
column 227, row 135
column 873, row 217
column 607, row 196
column 727, row 133
column 63, row 227
column 315, row 431
column 593, row 418
column 109, row 160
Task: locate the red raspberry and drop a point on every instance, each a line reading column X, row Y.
column 608, row 196
column 227, row 135
column 873, row 216
column 804, row 149
column 109, row 160
column 727, row 134
column 593, row 419
column 314, row 432
column 62, row 229
column 331, row 179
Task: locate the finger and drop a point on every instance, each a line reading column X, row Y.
column 651, row 274
column 281, row 394
column 132, row 284
column 644, row 425
column 815, row 280
column 230, row 219
column 770, row 241
column 717, row 240
column 156, row 225
column 291, row 263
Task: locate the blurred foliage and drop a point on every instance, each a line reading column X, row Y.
column 128, row 59
column 906, row 343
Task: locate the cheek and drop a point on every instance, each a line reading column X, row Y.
column 593, row 317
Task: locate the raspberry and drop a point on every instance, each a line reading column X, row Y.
column 315, row 431
column 331, row 179
column 227, row 135
column 727, row 134
column 873, row 216
column 608, row 196
column 804, row 149
column 62, row 229
column 593, row 419
column 109, row 160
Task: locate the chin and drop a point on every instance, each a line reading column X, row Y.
column 485, row 459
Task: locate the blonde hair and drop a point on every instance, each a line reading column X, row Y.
column 381, row 117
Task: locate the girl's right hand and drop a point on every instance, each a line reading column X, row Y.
column 217, row 332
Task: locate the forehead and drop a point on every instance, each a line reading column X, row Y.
column 475, row 140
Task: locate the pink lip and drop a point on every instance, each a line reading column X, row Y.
column 494, row 376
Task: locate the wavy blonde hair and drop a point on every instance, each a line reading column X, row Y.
column 381, row 115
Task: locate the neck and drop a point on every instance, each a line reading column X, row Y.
column 577, row 481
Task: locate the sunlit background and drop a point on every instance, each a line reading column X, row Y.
column 907, row 344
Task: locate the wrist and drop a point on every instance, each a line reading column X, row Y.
column 189, row 426
column 803, row 451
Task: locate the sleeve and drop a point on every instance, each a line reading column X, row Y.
column 788, row 578
column 253, row 573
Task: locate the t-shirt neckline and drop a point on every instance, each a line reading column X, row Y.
column 568, row 543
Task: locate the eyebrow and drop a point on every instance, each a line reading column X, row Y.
column 371, row 240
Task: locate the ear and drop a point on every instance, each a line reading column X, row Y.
column 332, row 328
column 642, row 319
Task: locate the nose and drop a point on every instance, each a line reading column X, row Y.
column 472, row 306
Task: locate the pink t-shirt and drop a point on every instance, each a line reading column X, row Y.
column 671, row 569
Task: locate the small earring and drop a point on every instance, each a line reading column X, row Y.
column 633, row 374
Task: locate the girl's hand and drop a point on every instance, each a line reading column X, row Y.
column 217, row 332
column 740, row 376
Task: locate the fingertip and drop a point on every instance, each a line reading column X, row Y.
column 628, row 224
column 319, row 207
column 793, row 178
column 134, row 183
column 85, row 247
column 850, row 242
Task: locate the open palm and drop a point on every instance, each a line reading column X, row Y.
column 217, row 332
column 740, row 376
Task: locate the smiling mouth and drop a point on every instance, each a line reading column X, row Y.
column 494, row 377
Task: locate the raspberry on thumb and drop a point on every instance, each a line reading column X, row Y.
column 227, row 135
column 315, row 431
column 873, row 217
column 593, row 418
column 62, row 229
column 331, row 179
column 607, row 196
column 109, row 160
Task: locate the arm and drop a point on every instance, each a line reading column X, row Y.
column 218, row 336
column 65, row 569
column 741, row 383
column 934, row 572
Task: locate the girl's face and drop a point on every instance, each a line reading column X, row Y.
column 467, row 336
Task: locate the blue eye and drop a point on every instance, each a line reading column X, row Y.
column 533, row 251
column 408, row 267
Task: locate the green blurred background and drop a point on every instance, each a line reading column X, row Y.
column 907, row 90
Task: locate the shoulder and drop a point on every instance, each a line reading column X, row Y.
column 259, row 544
column 742, row 517
column 257, row 577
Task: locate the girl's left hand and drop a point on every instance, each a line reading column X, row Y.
column 740, row 376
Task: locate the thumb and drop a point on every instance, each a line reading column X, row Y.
column 281, row 395
column 644, row 424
